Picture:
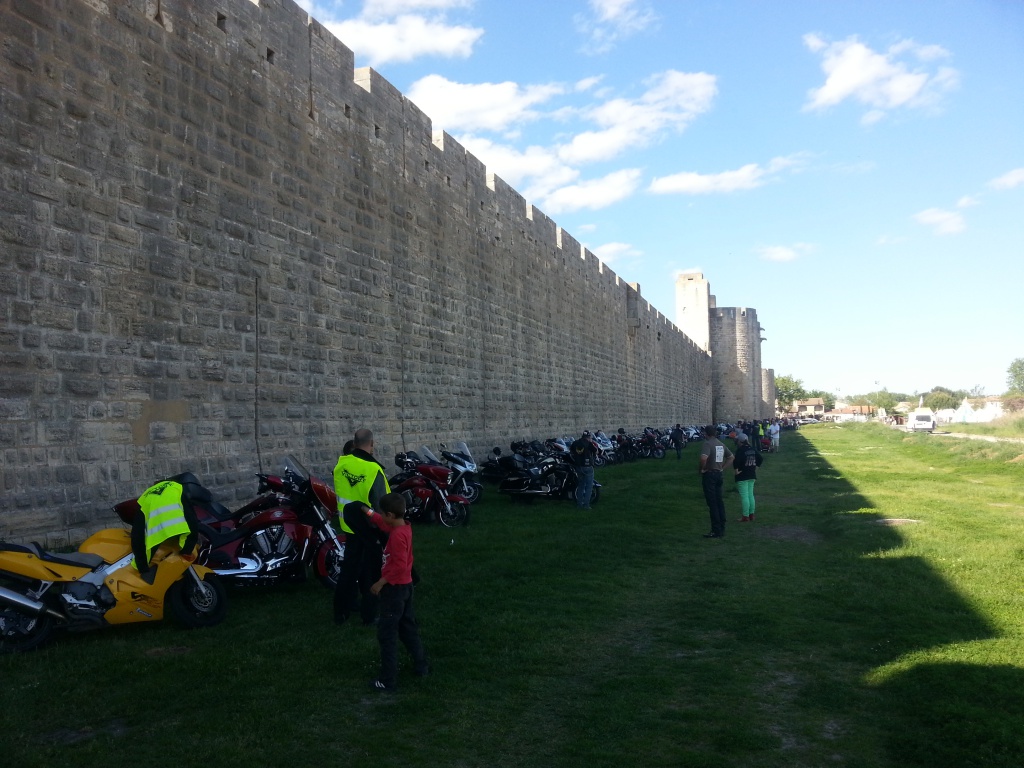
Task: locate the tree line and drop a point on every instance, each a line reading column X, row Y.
column 789, row 389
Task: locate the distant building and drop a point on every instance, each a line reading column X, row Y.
column 811, row 408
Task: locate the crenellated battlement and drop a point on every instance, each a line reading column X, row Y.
column 224, row 243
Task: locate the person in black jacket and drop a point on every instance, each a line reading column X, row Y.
column 745, row 463
column 583, row 452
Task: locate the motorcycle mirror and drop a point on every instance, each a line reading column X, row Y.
column 496, row 451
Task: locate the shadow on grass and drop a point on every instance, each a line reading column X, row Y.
column 932, row 714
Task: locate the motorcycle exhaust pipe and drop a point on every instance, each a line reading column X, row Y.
column 28, row 605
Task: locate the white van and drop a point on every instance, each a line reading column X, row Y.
column 921, row 420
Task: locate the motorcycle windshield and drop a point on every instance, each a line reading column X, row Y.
column 462, row 448
column 293, row 465
column 429, row 456
column 323, row 492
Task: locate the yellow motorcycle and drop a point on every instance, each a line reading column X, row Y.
column 43, row 592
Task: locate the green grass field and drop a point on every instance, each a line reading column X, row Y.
column 873, row 616
column 1011, row 425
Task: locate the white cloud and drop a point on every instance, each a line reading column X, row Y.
column 612, row 20
column 593, row 194
column 610, row 253
column 535, row 171
column 1008, row 180
column 547, row 175
column 673, row 100
column 479, row 106
column 880, row 81
column 942, row 222
column 376, row 9
column 401, row 31
column 967, row 201
column 749, row 176
column 587, row 83
column 784, row 253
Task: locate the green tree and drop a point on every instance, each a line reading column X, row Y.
column 787, row 390
column 1015, row 377
column 884, row 399
column 937, row 401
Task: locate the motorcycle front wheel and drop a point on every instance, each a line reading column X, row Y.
column 472, row 491
column 456, row 514
column 19, row 632
column 196, row 606
column 658, row 453
column 327, row 563
column 595, row 495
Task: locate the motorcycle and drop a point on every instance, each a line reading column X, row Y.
column 606, row 450
column 276, row 537
column 425, row 488
column 650, row 444
column 460, row 462
column 552, row 477
column 45, row 592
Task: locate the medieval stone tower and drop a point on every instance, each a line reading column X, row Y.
column 733, row 337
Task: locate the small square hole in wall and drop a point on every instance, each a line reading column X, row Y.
column 376, row 131
column 426, row 165
column 448, row 180
column 348, row 111
column 270, row 56
column 222, row 22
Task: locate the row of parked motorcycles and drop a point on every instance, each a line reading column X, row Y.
column 285, row 533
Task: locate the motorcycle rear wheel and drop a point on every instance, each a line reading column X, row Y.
column 19, row 632
column 456, row 514
column 658, row 453
column 195, row 607
column 595, row 495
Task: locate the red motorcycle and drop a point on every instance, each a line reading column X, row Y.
column 276, row 537
column 425, row 488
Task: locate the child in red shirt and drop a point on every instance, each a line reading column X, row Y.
column 397, row 617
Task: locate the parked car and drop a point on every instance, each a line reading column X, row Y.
column 922, row 420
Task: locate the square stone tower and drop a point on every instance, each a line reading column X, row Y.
column 693, row 300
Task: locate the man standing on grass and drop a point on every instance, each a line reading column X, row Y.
column 358, row 477
column 714, row 457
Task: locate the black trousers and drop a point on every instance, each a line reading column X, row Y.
column 398, row 622
column 711, row 483
column 359, row 571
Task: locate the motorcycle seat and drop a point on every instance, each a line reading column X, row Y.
column 218, row 510
column 82, row 559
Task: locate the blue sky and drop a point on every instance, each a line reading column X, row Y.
column 854, row 171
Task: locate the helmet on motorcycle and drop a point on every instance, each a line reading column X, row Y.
column 586, row 433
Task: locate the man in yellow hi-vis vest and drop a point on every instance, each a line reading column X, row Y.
column 359, row 482
column 166, row 514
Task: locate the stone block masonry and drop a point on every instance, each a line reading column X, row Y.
column 221, row 244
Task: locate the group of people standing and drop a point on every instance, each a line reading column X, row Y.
column 715, row 459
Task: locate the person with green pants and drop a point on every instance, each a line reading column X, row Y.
column 746, row 463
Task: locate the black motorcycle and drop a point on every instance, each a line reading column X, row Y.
column 551, row 477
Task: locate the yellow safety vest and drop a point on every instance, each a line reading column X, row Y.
column 353, row 479
column 165, row 515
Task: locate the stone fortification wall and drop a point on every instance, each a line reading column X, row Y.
column 736, row 371
column 220, row 244
column 768, row 393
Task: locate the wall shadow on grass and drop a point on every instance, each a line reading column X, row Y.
column 885, row 605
